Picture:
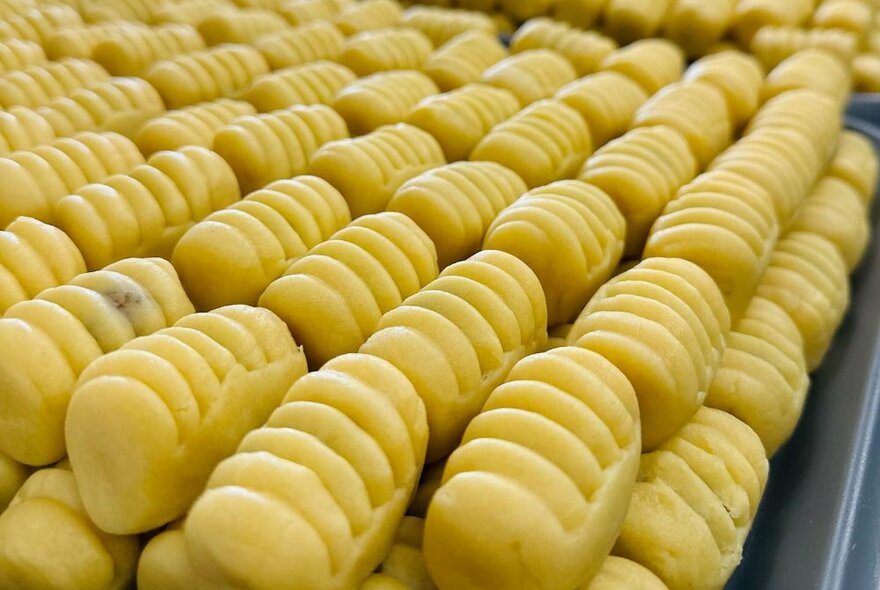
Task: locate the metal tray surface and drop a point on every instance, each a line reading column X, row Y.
column 818, row 526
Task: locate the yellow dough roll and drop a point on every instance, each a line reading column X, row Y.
column 119, row 104
column 38, row 24
column 317, row 82
column 774, row 44
column 652, row 63
column 12, row 7
column 641, row 171
column 333, row 298
column 752, row 15
column 193, row 125
column 368, row 170
column 730, row 236
column 299, row 12
column 386, row 49
column 855, row 161
column 181, row 400
column 664, row 324
column 569, row 233
column 144, row 212
column 631, row 20
column 578, row 13
column 241, row 26
column 47, row 541
column 38, row 84
column 807, row 112
column 456, row 203
column 459, row 336
column 739, row 76
column 807, row 277
column 48, row 341
column 33, row 181
column 280, row 144
column 383, row 98
column 695, row 109
column 368, row 15
column 810, row 68
column 232, row 255
column 22, row 128
column 320, row 489
column 223, row 71
column 607, row 101
column 856, row 16
column 546, row 141
column 548, row 467
column 80, row 41
column 762, row 378
column 459, row 119
column 531, row 75
column 584, row 49
column 834, row 210
column 164, row 565
column 302, row 44
column 134, row 52
column 34, row 256
column 463, row 59
column 618, row 573
column 695, row 501
column 404, row 565
column 16, row 54
column 866, row 72
column 191, row 12
column 697, row 26
column 12, row 476
column 443, row 24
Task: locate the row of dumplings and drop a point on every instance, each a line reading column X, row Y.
column 455, row 353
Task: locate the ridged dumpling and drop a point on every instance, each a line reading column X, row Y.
column 271, row 146
column 856, row 162
column 16, row 54
column 223, row 71
column 544, row 142
column 695, row 501
column 145, row 211
column 181, row 399
column 232, row 255
column 458, row 337
column 463, row 59
column 697, row 26
column 383, row 98
column 631, row 20
column 325, row 482
column 548, row 467
column 584, row 49
column 443, row 24
column 739, row 76
column 652, row 63
column 192, row 125
column 762, row 378
column 316, row 82
column 460, row 118
column 810, row 68
column 773, row 44
column 48, row 541
column 130, row 54
column 569, row 233
column 664, row 324
column 531, row 75
column 241, row 26
column 22, row 128
column 33, row 181
column 301, row 45
column 37, row 85
column 368, row 15
column 49, row 340
column 641, row 171
column 807, row 277
column 401, row 48
column 607, row 101
column 368, row 169
column 333, row 297
column 35, row 256
column 456, row 203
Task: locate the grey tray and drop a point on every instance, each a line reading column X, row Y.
column 818, row 526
